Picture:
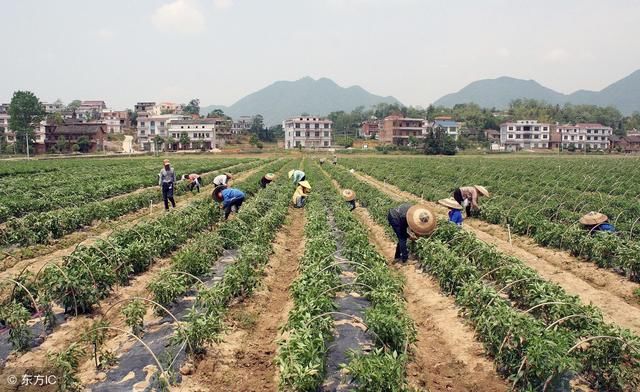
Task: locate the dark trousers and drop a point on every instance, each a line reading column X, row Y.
column 194, row 184
column 300, row 202
column 167, row 195
column 236, row 203
column 400, row 228
column 457, row 195
column 352, row 205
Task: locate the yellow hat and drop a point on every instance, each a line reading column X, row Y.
column 421, row 220
column 593, row 218
column 305, row 184
column 348, row 195
column 270, row 176
column 450, row 203
column 166, row 162
column 228, row 175
column 291, row 173
column 483, row 191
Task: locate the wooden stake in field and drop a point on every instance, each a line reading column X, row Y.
column 509, row 230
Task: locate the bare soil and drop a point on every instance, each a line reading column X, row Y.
column 244, row 361
column 610, row 292
column 446, row 357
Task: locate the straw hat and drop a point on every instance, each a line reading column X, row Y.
column 228, row 175
column 593, row 218
column 270, row 176
column 421, row 220
column 450, row 203
column 483, row 191
column 290, row 173
column 305, row 184
column 216, row 191
column 166, row 162
column 348, row 195
column 322, row 160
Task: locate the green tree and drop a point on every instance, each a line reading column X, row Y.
column 26, row 111
column 75, row 147
column 84, row 144
column 257, row 124
column 73, row 105
column 277, row 132
column 171, row 143
column 158, row 141
column 184, row 140
column 218, row 113
column 193, row 107
column 61, row 144
column 55, row 118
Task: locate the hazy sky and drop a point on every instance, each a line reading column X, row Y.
column 124, row 51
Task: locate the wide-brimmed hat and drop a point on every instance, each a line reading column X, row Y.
column 450, row 203
column 305, row 184
column 290, row 174
column 270, row 176
column 348, row 195
column 594, row 218
column 421, row 220
column 217, row 191
column 321, row 159
column 166, row 162
column 483, row 191
column 229, row 175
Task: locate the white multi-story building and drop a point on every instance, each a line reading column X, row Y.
column 56, row 107
column 525, row 134
column 241, row 124
column 207, row 133
column 90, row 110
column 307, row 132
column 150, row 126
column 584, row 136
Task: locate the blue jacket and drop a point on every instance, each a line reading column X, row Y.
column 297, row 176
column 608, row 227
column 455, row 216
column 229, row 195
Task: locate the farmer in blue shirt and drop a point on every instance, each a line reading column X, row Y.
column 296, row 176
column 455, row 210
column 231, row 199
column 596, row 221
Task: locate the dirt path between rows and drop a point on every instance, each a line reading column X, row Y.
column 128, row 220
column 446, row 357
column 610, row 292
column 244, row 361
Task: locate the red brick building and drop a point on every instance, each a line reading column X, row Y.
column 397, row 130
column 370, row 129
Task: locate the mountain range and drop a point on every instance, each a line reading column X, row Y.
column 284, row 99
column 623, row 94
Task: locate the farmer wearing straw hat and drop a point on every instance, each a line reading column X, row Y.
column 296, row 176
column 231, row 199
column 321, row 161
column 596, row 221
column 300, row 195
column 194, row 181
column 222, row 179
column 467, row 196
column 167, row 181
column 409, row 221
column 266, row 180
column 455, row 214
column 350, row 197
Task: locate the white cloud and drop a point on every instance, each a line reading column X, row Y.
column 105, row 34
column 222, row 3
column 503, row 52
column 179, row 16
column 557, row 55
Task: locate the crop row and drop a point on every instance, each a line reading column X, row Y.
column 302, row 355
column 480, row 277
column 89, row 180
column 42, row 227
column 384, row 368
column 548, row 214
column 530, row 343
column 90, row 272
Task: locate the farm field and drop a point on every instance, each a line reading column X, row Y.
column 280, row 298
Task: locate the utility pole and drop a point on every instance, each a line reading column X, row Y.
column 26, row 138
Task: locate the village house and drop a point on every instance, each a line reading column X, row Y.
column 397, row 129
column 525, row 134
column 307, row 132
column 582, row 136
column 74, row 133
column 370, row 129
column 204, row 133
